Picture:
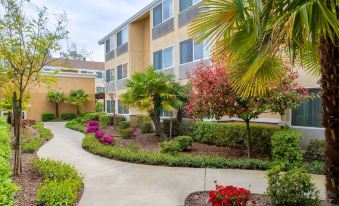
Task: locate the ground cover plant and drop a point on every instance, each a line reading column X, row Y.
column 34, row 142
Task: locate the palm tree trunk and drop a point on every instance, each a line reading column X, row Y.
column 57, row 110
column 78, row 111
column 157, row 124
column 329, row 54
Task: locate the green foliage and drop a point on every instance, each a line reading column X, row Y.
column 78, row 98
column 120, row 118
column 142, row 118
column 99, row 107
column 315, row 167
column 293, row 188
column 91, row 116
column 185, row 127
column 68, row 116
column 62, row 183
column 286, row 148
column 133, row 147
column 92, row 145
column 75, row 125
column 105, row 120
column 124, row 125
column 316, row 150
column 146, row 127
column 234, row 135
column 46, row 117
column 55, row 97
column 126, row 133
column 184, row 141
column 34, row 143
column 170, row 147
column 7, row 188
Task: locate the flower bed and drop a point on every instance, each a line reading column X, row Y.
column 32, row 145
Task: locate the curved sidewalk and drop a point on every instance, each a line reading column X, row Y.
column 114, row 183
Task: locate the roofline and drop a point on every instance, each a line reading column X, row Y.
column 130, row 20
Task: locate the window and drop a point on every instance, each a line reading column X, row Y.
column 122, row 71
column 122, row 37
column 185, row 4
column 189, row 51
column 122, row 109
column 165, row 113
column 109, row 75
column 162, row 12
column 99, row 75
column 108, row 45
column 109, row 106
column 309, row 113
column 100, row 90
column 83, row 72
column 163, row 59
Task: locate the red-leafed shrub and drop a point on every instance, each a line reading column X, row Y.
column 229, row 196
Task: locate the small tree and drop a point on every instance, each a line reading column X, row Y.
column 77, row 98
column 26, row 44
column 150, row 91
column 212, row 96
column 56, row 98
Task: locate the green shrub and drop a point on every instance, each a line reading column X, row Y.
column 92, row 145
column 62, row 183
column 286, row 148
column 184, row 141
column 170, row 147
column 293, row 188
column 186, row 128
column 46, row 117
column 92, row 116
column 106, row 120
column 124, row 125
column 7, row 188
column 166, row 125
column 68, row 116
column 126, row 133
column 133, row 147
column 76, row 125
column 316, row 150
column 146, row 127
column 234, row 135
column 120, row 118
column 32, row 145
column 142, row 118
column 315, row 167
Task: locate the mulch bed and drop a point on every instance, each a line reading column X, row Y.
column 150, row 142
column 201, row 199
column 29, row 182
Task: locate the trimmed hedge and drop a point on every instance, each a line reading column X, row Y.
column 33, row 144
column 46, row 117
column 68, row 116
column 234, row 135
column 185, row 128
column 7, row 188
column 62, row 183
column 90, row 144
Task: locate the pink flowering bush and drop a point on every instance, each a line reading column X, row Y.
column 93, row 123
column 99, row 134
column 109, row 139
column 92, row 129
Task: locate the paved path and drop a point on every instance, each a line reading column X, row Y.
column 113, row 183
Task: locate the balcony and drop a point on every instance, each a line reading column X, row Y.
column 188, row 15
column 163, row 28
column 122, row 49
column 109, row 55
column 188, row 68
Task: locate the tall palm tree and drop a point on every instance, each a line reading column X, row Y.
column 56, row 98
column 150, row 91
column 256, row 35
column 77, row 98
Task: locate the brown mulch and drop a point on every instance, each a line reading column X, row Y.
column 150, row 142
column 201, row 199
column 29, row 182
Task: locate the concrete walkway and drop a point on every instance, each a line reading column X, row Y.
column 114, row 183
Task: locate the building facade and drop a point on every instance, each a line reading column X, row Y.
column 158, row 35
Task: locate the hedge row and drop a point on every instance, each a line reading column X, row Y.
column 7, row 187
column 62, row 183
column 234, row 135
column 90, row 144
column 33, row 144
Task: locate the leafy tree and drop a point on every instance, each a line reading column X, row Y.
column 6, row 99
column 181, row 99
column 256, row 34
column 212, row 96
column 77, row 98
column 56, row 98
column 150, row 91
column 26, row 43
column 99, row 107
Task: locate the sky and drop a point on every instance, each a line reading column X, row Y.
column 90, row 20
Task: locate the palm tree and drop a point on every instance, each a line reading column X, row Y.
column 150, row 91
column 78, row 98
column 56, row 98
column 258, row 35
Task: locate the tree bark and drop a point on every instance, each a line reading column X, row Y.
column 17, row 113
column 248, row 134
column 329, row 54
column 57, row 110
column 78, row 111
column 157, row 124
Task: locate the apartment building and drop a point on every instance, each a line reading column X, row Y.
column 158, row 35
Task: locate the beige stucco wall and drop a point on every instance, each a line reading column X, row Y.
column 39, row 103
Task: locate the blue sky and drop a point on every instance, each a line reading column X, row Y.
column 90, row 20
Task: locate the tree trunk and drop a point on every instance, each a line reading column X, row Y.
column 329, row 54
column 17, row 140
column 78, row 111
column 156, row 121
column 248, row 134
column 57, row 110
column 180, row 114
